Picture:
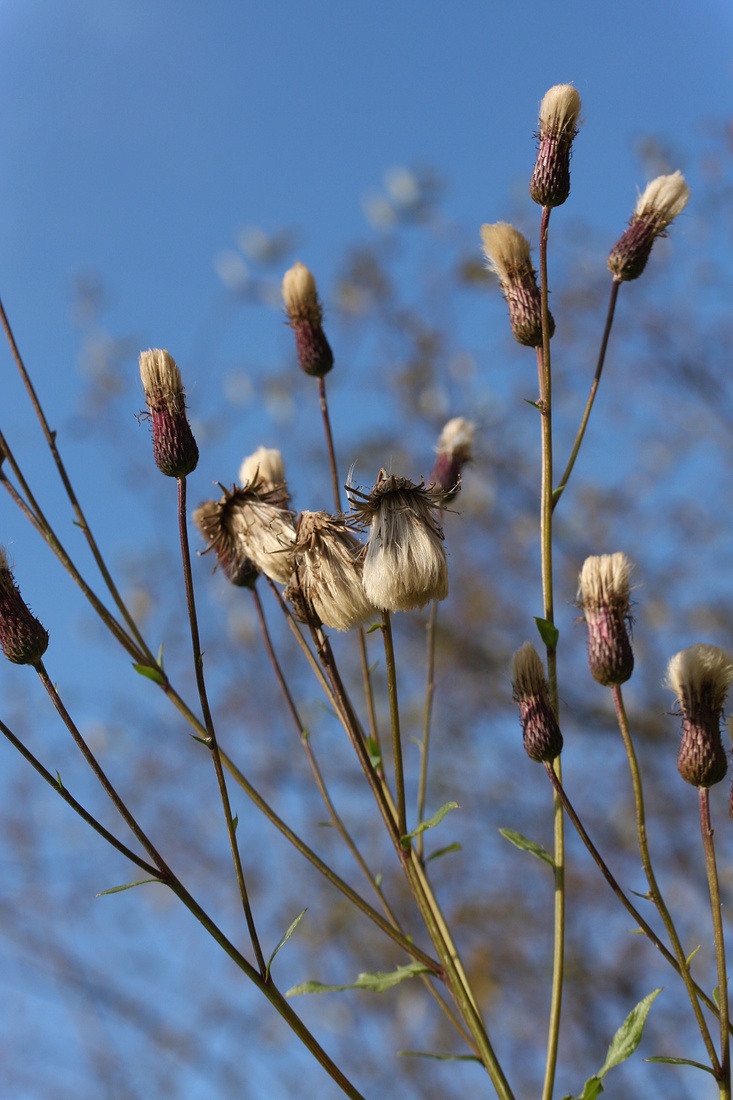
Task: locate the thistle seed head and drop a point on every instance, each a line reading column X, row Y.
column 508, row 256
column 22, row 638
column 550, row 182
column 540, row 731
column 663, row 199
column 265, row 471
column 404, row 561
column 233, row 562
column 174, row 447
column 604, row 592
column 328, row 571
column 305, row 316
column 454, row 450
column 700, row 678
column 246, row 526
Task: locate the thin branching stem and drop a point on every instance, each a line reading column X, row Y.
column 592, row 395
column 394, row 714
column 211, row 740
column 422, row 784
column 654, row 891
column 50, row 437
column 723, row 1075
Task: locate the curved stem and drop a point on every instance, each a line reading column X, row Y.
column 654, row 891
column 592, row 395
column 210, row 739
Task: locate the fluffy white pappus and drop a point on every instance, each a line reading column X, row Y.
column 259, row 530
column 701, row 671
column 405, row 565
column 605, row 581
column 663, row 199
column 329, row 571
column 263, row 469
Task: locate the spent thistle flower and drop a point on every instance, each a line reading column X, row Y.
column 664, row 198
column 305, row 315
column 700, row 678
column 235, row 564
column 508, row 255
column 404, row 561
column 454, row 450
column 248, row 525
column 559, row 111
column 328, row 572
column 22, row 638
column 264, row 470
column 174, row 447
column 604, row 595
column 540, row 731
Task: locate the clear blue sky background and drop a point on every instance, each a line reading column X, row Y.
column 138, row 137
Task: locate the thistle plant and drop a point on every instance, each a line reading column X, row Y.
column 333, row 575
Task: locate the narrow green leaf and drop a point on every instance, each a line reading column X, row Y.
column 285, row 939
column 430, row 823
column 439, row 1057
column 201, row 740
column 375, row 753
column 58, row 780
column 150, row 672
column 376, row 982
column 628, row 1036
column 373, row 627
column 456, row 847
column 591, row 1089
column 679, row 1062
column 235, row 822
column 526, row 845
column 548, row 632
column 126, row 886
column 160, row 656
column 692, row 954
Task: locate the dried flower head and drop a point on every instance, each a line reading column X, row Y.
column 540, row 731
column 559, row 111
column 454, row 450
column 700, row 678
column 235, row 564
column 174, row 447
column 265, row 471
column 404, row 562
column 508, row 256
column 22, row 638
column 250, row 526
column 604, row 591
column 328, row 572
column 305, row 315
column 663, row 199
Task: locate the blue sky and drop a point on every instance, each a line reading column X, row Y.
column 139, row 137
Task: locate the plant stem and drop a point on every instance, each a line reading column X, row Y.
column 427, row 720
column 592, row 395
column 654, row 891
column 544, row 367
column 394, row 714
column 211, row 740
column 723, row 1077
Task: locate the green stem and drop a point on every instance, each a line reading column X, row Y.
column 211, row 740
column 592, row 395
column 654, row 891
column 394, row 714
column 723, row 1077
column 544, row 366
column 427, row 720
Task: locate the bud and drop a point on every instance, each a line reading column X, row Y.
column 664, row 198
column 174, row 447
column 550, row 183
column 507, row 254
column 22, row 638
column 540, row 731
column 306, row 319
column 454, row 450
column 328, row 570
column 604, row 595
column 246, row 525
column 700, row 677
column 264, row 470
column 234, row 563
column 404, row 562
